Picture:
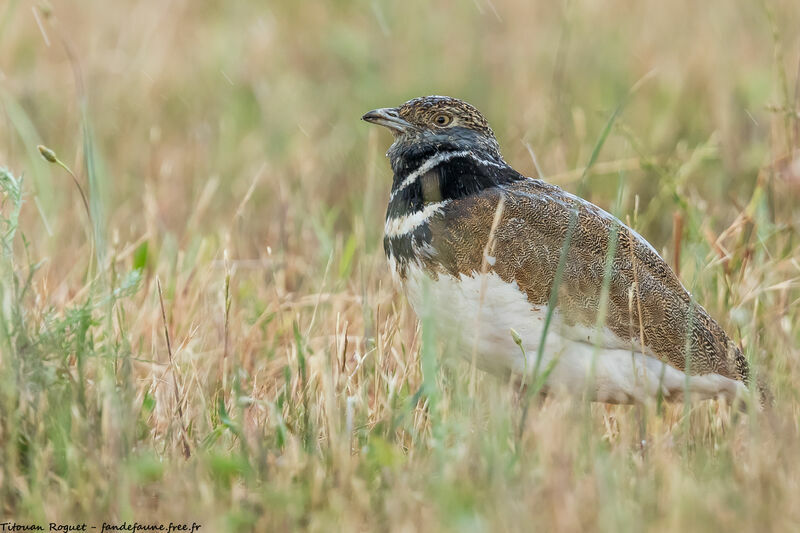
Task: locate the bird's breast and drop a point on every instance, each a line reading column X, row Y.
column 474, row 315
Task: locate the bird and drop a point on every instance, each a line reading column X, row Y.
column 512, row 271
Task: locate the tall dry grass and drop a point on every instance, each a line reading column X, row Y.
column 223, row 159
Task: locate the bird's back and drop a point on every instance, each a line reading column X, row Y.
column 645, row 298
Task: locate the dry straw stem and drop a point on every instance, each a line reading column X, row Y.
column 677, row 239
column 226, row 296
column 174, row 370
column 488, row 251
column 635, row 286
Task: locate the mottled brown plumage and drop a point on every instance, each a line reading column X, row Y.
column 537, row 213
column 450, row 184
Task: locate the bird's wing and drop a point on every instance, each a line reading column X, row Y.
column 646, row 299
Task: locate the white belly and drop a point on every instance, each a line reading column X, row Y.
column 475, row 316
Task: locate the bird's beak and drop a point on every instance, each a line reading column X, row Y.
column 387, row 117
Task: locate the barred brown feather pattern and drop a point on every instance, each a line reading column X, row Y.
column 527, row 245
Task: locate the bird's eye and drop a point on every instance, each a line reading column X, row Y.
column 442, row 119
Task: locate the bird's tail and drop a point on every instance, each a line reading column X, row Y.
column 742, row 371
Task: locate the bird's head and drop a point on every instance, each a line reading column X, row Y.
column 435, row 124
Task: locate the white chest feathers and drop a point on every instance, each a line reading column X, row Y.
column 474, row 316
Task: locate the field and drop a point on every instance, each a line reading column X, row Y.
column 213, row 336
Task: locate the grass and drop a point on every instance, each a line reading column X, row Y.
column 232, row 352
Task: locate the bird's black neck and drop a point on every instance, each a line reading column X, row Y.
column 425, row 180
column 428, row 176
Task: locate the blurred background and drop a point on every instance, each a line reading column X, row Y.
column 221, row 149
column 183, row 97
